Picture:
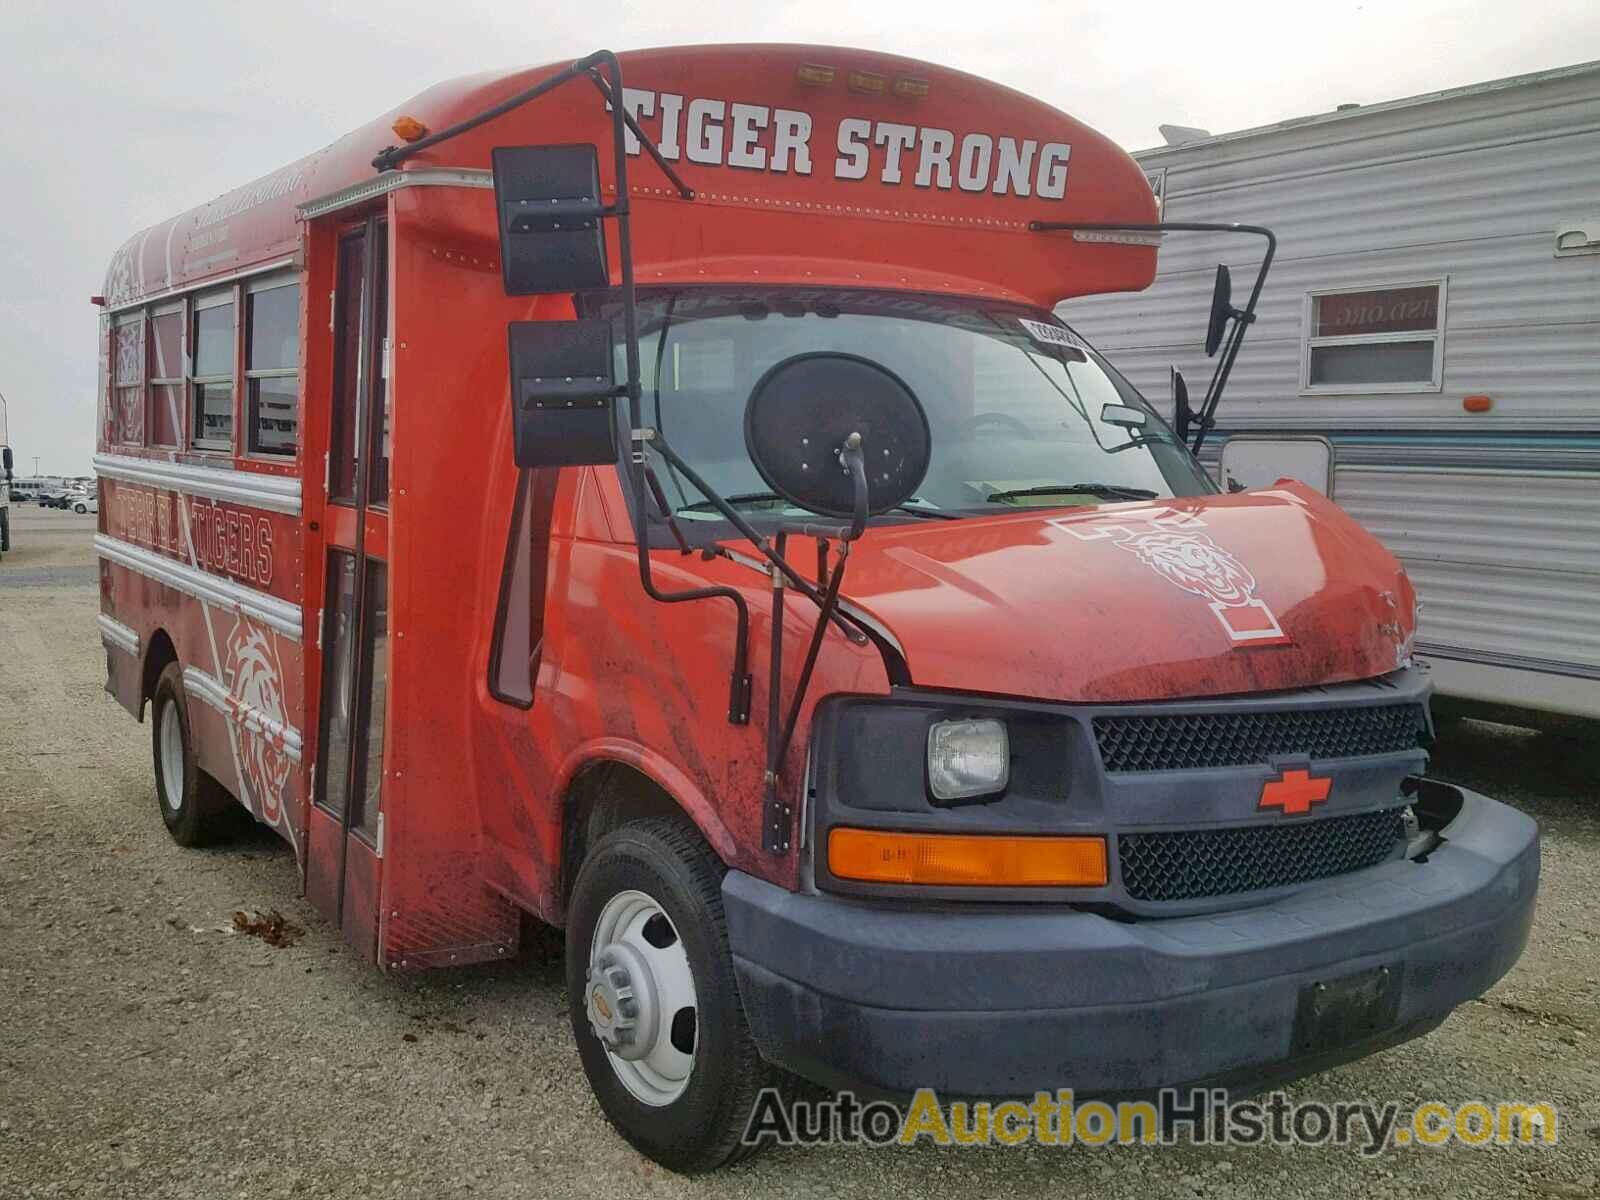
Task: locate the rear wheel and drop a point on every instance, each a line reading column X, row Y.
column 193, row 806
column 652, row 997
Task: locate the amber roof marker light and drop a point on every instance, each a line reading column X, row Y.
column 409, row 129
column 815, row 74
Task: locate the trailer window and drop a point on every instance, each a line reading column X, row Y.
column 128, row 373
column 272, row 366
column 165, row 366
column 1374, row 339
column 519, row 620
column 214, row 345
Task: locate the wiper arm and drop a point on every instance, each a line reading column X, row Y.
column 1108, row 491
column 741, row 498
column 760, row 497
column 916, row 510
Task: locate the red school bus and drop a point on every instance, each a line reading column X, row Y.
column 684, row 521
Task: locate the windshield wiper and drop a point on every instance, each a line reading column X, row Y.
column 916, row 510
column 740, row 498
column 1107, row 491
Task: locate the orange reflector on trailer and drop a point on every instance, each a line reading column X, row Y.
column 409, row 129
column 1477, row 403
column 876, row 856
column 913, row 89
column 813, row 74
column 863, row 81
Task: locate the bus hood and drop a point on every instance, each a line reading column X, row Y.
column 1204, row 596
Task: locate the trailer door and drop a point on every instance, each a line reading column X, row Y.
column 345, row 850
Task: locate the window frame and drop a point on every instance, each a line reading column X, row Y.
column 244, row 329
column 141, row 317
column 1309, row 342
column 153, row 383
column 200, row 302
column 532, row 513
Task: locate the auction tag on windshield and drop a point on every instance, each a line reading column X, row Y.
column 1051, row 335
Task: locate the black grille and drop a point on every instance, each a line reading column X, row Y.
column 1178, row 741
column 1193, row 863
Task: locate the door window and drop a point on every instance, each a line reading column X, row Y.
column 519, row 621
column 360, row 389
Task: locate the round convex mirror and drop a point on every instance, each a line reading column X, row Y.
column 802, row 410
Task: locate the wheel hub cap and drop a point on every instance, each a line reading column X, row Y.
column 622, row 1001
column 639, row 998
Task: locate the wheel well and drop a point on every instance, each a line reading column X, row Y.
column 603, row 797
column 156, row 658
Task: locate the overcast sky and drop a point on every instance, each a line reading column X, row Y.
column 120, row 115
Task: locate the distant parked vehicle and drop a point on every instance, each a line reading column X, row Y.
column 86, row 504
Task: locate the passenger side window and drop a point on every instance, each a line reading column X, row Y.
column 272, row 366
column 212, row 374
column 128, row 390
column 519, row 620
column 165, row 368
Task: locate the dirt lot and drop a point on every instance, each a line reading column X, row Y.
column 145, row 1053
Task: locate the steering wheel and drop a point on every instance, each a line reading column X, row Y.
column 999, row 419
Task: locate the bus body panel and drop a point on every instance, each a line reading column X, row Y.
column 520, row 654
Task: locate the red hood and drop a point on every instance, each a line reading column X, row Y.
column 1194, row 597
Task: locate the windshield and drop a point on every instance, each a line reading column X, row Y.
column 1021, row 411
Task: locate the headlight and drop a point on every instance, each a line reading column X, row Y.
column 968, row 758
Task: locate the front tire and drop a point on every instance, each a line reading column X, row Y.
column 193, row 807
column 654, row 1005
column 80, row 508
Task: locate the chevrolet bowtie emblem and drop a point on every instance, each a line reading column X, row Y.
column 1294, row 792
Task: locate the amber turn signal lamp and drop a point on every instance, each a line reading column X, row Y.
column 877, row 856
column 409, row 129
column 1477, row 403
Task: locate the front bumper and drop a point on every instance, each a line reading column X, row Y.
column 1009, row 1000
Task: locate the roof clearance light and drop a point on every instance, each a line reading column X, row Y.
column 813, row 74
column 409, row 129
column 880, row 856
column 912, row 89
column 865, row 81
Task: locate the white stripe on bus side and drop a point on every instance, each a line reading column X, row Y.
column 211, row 690
column 203, row 585
column 275, row 493
column 117, row 635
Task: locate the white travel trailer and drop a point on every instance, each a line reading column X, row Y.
column 1427, row 350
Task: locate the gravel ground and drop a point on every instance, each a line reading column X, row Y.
column 143, row 1052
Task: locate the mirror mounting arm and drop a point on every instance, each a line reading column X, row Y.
column 392, row 156
column 1242, row 318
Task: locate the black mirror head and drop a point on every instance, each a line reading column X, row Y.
column 563, row 386
column 1221, row 309
column 6, row 460
column 551, row 217
column 803, row 410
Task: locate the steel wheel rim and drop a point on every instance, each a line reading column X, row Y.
column 635, row 937
column 171, row 757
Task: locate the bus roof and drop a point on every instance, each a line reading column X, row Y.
column 812, row 164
